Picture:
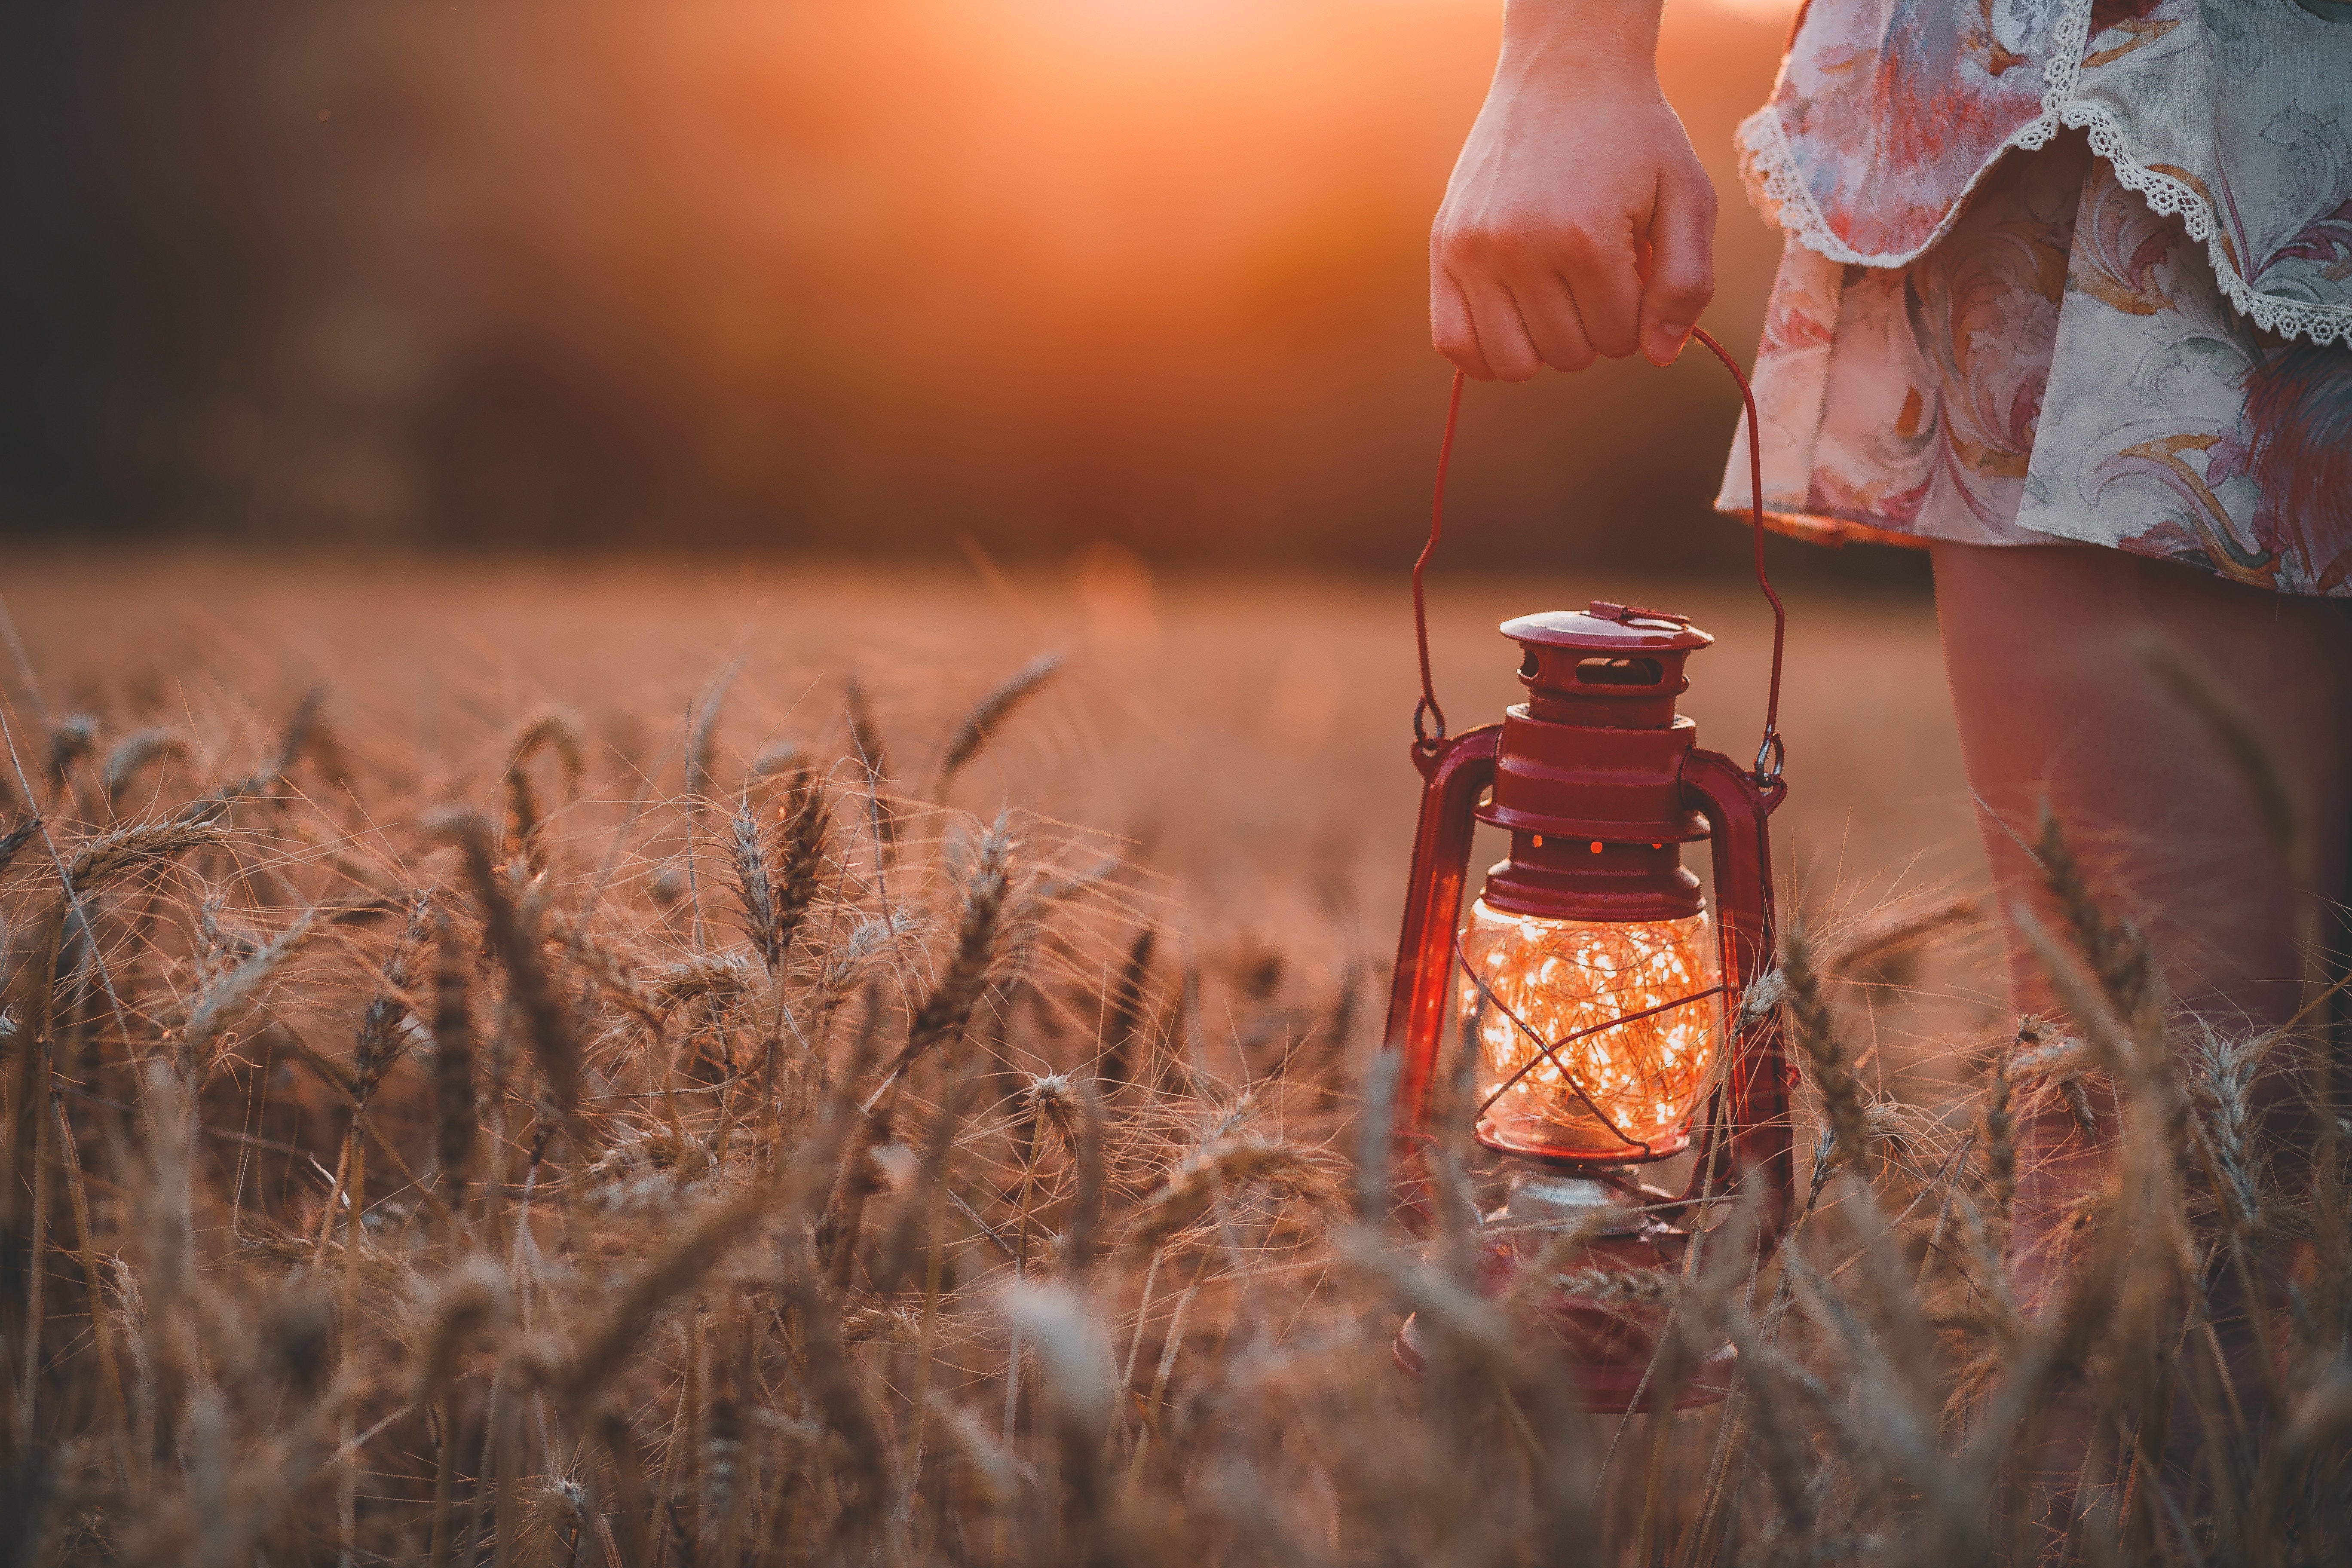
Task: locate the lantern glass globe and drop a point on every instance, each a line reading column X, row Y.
column 1607, row 1089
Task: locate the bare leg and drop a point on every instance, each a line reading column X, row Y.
column 2054, row 703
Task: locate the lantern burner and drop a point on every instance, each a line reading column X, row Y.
column 1544, row 1199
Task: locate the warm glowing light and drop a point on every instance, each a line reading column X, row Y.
column 1774, row 11
column 1640, row 1077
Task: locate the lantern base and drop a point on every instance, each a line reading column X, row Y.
column 1607, row 1388
column 1601, row 1165
column 1609, row 1330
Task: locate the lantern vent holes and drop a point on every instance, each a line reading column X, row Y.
column 1618, row 671
column 1529, row 666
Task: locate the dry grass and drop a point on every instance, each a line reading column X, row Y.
column 479, row 1146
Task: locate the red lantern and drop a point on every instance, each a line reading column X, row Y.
column 1595, row 993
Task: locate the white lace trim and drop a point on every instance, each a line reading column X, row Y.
column 1771, row 167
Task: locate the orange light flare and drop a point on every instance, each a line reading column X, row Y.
column 1565, row 977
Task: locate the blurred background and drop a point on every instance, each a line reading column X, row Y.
column 851, row 277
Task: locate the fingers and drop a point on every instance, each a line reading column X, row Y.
column 1554, row 323
column 1682, row 263
column 1450, row 330
column 1475, row 323
column 1618, row 272
column 1599, row 270
column 1503, row 338
column 1502, row 307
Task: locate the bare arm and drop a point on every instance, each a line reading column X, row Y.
column 1577, row 222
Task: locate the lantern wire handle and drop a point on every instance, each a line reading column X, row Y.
column 1427, row 744
column 1770, row 751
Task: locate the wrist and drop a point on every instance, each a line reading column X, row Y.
column 1585, row 44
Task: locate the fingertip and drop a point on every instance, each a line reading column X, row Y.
column 1466, row 359
column 1666, row 342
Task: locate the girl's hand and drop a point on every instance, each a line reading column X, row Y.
column 1577, row 222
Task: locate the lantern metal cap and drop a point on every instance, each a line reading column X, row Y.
column 1606, row 627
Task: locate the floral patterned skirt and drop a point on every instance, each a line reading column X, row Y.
column 2061, row 367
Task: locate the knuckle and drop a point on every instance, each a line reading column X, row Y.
column 1581, row 247
column 1460, row 244
column 1506, row 245
column 1692, row 288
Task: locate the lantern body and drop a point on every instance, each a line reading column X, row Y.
column 1633, row 1016
column 1600, row 783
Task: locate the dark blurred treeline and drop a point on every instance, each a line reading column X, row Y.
column 843, row 275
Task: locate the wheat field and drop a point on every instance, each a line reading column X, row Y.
column 639, row 1064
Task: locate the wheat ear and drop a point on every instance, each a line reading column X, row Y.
column 102, row 859
column 133, row 753
column 993, row 710
column 383, row 1034
column 1815, row 1036
column 456, row 1117
column 945, row 1012
column 2001, row 1142
column 514, row 937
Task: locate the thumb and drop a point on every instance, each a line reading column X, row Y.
column 1682, row 263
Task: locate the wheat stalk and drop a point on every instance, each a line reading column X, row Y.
column 675, row 1271
column 133, row 753
column 2113, row 948
column 514, row 937
column 1815, row 1036
column 944, row 1013
column 616, row 974
column 748, row 852
column 71, row 740
column 382, row 1028
column 1647, row 1287
column 2225, row 1085
column 806, row 819
column 456, row 1117
column 1185, row 1195
column 225, row 1000
column 991, row 711
column 2001, row 1141
column 866, row 750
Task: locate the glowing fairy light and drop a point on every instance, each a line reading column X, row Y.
column 1628, row 1066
